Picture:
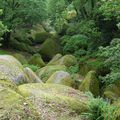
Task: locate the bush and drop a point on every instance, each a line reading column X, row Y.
column 99, row 109
column 111, row 54
column 3, row 28
column 76, row 44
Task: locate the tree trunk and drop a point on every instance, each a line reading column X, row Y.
column 6, row 40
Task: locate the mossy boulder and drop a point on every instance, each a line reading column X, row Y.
column 32, row 76
column 90, row 83
column 37, row 60
column 11, row 69
column 112, row 92
column 55, row 59
column 55, row 101
column 67, row 60
column 45, row 72
column 49, row 48
column 41, row 37
column 61, row 77
column 21, row 58
column 8, row 84
column 14, row 107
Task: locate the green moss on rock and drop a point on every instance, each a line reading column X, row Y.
column 41, row 37
column 15, row 107
column 37, row 60
column 8, row 84
column 55, row 59
column 45, row 72
column 90, row 83
column 49, row 48
column 55, row 101
column 21, row 58
column 32, row 76
column 11, row 69
column 61, row 77
column 67, row 60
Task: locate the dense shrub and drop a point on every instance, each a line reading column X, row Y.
column 111, row 54
column 3, row 28
column 99, row 109
column 76, row 44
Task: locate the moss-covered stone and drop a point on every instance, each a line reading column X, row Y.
column 41, row 37
column 32, row 76
column 112, row 92
column 90, row 83
column 15, row 107
column 67, row 60
column 49, row 48
column 21, row 58
column 8, row 84
column 55, row 101
column 55, row 59
column 37, row 60
column 45, row 72
column 11, row 69
column 61, row 77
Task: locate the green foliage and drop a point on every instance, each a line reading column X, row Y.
column 99, row 109
column 73, row 69
column 16, row 13
column 76, row 44
column 110, row 9
column 111, row 54
column 3, row 28
column 32, row 67
column 85, row 8
column 87, row 28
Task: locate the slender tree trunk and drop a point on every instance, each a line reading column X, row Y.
column 6, row 41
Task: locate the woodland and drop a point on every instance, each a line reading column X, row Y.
column 59, row 59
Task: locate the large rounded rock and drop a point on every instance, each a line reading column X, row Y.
column 55, row 102
column 14, row 107
column 90, row 83
column 36, row 60
column 40, row 37
column 45, row 72
column 21, row 58
column 67, row 60
column 11, row 69
column 49, row 48
column 55, row 59
column 32, row 76
column 61, row 77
